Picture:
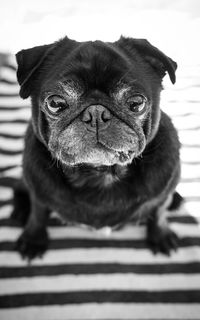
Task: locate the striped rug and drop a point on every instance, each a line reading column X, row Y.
column 88, row 275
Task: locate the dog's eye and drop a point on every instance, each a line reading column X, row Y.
column 137, row 103
column 55, row 104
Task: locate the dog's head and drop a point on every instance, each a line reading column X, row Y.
column 94, row 103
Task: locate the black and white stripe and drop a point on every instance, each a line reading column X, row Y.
column 86, row 275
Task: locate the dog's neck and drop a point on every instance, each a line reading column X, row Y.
column 102, row 176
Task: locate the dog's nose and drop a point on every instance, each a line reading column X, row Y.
column 96, row 117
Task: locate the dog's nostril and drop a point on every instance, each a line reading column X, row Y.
column 106, row 115
column 87, row 117
column 96, row 115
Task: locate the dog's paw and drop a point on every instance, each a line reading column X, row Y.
column 162, row 240
column 32, row 246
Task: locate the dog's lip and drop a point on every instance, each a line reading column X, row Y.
column 124, row 155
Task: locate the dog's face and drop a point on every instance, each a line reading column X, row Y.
column 94, row 103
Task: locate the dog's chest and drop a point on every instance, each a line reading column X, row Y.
column 100, row 198
column 99, row 207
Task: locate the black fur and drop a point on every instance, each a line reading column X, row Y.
column 138, row 161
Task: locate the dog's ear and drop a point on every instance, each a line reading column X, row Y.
column 28, row 62
column 156, row 58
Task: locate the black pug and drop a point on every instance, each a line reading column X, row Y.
column 98, row 149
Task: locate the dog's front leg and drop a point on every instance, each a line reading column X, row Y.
column 34, row 239
column 160, row 237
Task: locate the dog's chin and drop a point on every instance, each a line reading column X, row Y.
column 97, row 157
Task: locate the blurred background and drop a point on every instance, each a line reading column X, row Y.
column 172, row 25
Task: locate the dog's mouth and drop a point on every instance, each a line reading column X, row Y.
column 123, row 155
column 100, row 156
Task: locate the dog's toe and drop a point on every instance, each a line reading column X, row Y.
column 32, row 246
column 162, row 240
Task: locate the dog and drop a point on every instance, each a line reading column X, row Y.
column 98, row 149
